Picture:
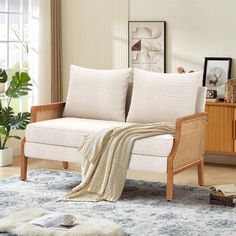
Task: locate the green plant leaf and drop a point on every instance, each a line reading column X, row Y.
column 6, row 115
column 19, row 121
column 15, row 136
column 3, row 76
column 3, row 131
column 19, row 85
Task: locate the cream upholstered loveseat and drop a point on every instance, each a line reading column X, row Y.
column 99, row 99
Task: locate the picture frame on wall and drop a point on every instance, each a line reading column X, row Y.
column 217, row 71
column 147, row 45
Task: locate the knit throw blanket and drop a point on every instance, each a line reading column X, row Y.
column 105, row 161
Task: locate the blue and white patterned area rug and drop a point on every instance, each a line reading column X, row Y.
column 142, row 209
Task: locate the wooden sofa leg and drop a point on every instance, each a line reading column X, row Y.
column 65, row 164
column 24, row 161
column 169, row 186
column 200, row 169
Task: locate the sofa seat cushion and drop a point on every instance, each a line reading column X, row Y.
column 159, row 145
column 148, row 163
column 67, row 131
column 71, row 132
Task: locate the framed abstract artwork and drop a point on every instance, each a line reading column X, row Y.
column 217, row 71
column 147, row 45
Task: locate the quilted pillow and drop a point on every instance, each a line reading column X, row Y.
column 159, row 97
column 97, row 94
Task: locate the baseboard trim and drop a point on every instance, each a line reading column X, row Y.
column 220, row 159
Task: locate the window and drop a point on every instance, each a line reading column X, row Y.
column 14, row 42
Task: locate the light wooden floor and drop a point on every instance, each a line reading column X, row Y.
column 214, row 174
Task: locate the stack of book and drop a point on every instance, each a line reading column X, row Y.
column 223, row 195
column 212, row 100
column 230, row 91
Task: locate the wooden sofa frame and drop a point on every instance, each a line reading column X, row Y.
column 187, row 151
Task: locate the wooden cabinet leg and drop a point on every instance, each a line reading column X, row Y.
column 169, row 186
column 200, row 169
column 65, row 164
column 24, row 161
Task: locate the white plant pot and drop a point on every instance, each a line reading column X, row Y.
column 6, row 157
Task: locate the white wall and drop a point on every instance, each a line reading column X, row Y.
column 94, row 32
column 195, row 29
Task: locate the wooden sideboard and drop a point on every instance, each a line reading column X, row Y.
column 221, row 130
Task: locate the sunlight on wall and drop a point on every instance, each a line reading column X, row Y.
column 99, row 39
column 117, row 32
column 40, row 51
column 195, row 29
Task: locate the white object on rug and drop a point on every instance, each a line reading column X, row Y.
column 17, row 223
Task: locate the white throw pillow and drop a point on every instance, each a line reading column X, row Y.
column 97, row 94
column 159, row 97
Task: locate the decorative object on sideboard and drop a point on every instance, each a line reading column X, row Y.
column 181, row 70
column 147, row 46
column 212, row 96
column 9, row 120
column 230, row 91
column 217, row 71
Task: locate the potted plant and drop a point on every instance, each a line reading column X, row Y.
column 9, row 120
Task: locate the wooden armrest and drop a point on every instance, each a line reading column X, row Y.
column 189, row 143
column 47, row 112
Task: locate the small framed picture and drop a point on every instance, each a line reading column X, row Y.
column 217, row 71
column 147, row 45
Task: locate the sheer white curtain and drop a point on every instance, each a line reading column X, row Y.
column 40, row 50
column 39, row 58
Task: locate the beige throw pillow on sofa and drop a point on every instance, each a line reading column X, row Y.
column 159, row 97
column 97, row 94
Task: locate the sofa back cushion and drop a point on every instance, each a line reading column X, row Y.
column 159, row 97
column 97, row 94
